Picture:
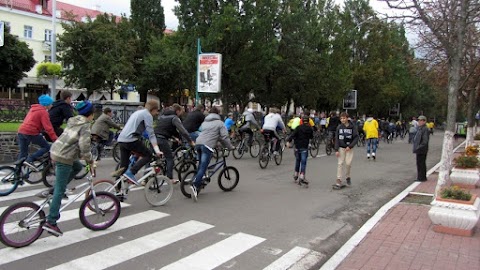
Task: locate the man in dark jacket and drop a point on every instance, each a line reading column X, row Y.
column 61, row 111
column 168, row 126
column 420, row 148
column 193, row 121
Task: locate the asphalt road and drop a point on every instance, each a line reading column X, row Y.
column 267, row 221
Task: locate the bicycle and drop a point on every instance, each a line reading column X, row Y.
column 48, row 174
column 241, row 146
column 267, row 150
column 21, row 223
column 314, row 145
column 229, row 173
column 12, row 177
column 158, row 188
column 361, row 140
column 330, row 145
column 98, row 146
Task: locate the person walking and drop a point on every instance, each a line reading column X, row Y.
column 301, row 137
column 371, row 135
column 345, row 140
column 30, row 131
column 420, row 148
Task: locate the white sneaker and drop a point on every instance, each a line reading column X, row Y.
column 194, row 192
column 368, row 156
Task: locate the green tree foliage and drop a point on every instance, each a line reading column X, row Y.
column 148, row 22
column 16, row 58
column 99, row 53
column 48, row 69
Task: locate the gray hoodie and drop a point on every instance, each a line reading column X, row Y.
column 250, row 121
column 213, row 130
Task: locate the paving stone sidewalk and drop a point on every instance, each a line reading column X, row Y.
column 404, row 239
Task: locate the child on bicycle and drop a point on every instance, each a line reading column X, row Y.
column 301, row 137
column 72, row 145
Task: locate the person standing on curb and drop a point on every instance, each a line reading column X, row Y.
column 420, row 148
column 345, row 139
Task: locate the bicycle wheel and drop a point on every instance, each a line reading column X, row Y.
column 254, row 148
column 158, row 190
column 278, row 158
column 313, row 149
column 263, row 158
column 33, row 177
column 48, row 175
column 185, row 184
column 116, row 152
column 239, row 149
column 8, row 184
column 228, row 178
column 328, row 149
column 21, row 225
column 101, row 185
column 99, row 212
column 185, row 167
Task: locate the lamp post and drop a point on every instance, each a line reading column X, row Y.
column 53, row 47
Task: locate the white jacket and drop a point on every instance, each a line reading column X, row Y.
column 272, row 121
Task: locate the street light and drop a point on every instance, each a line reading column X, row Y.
column 53, row 92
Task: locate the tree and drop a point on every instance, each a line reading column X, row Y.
column 99, row 53
column 48, row 69
column 444, row 25
column 148, row 22
column 16, row 58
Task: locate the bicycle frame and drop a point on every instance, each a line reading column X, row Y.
column 213, row 168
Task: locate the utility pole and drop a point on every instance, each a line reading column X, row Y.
column 53, row 92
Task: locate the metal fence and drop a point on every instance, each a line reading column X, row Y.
column 13, row 110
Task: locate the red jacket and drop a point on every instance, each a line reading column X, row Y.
column 36, row 121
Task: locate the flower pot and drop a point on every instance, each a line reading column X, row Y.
column 454, row 216
column 465, row 177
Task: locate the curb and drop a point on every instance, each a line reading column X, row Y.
column 353, row 242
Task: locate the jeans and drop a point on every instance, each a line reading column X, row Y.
column 138, row 147
column 25, row 140
column 205, row 155
column 164, row 146
column 372, row 145
column 422, row 167
column 194, row 135
column 64, row 174
column 301, row 156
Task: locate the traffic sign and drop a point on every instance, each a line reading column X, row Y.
column 350, row 100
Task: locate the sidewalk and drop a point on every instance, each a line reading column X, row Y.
column 404, row 239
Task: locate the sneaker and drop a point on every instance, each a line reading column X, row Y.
column 49, row 192
column 194, row 192
column 373, row 156
column 302, row 177
column 131, row 177
column 368, row 156
column 295, row 176
column 349, row 181
column 30, row 165
column 175, row 181
column 52, row 229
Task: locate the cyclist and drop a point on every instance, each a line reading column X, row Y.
column 30, row 130
column 169, row 125
column 230, row 124
column 371, row 135
column 212, row 131
column 61, row 111
column 270, row 124
column 247, row 126
column 73, row 144
column 359, row 124
column 101, row 128
column 130, row 139
column 193, row 121
column 301, row 136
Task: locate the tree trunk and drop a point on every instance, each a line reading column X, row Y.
column 471, row 116
column 455, row 56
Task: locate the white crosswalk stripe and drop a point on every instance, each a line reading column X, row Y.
column 292, row 258
column 224, row 251
column 71, row 237
column 137, row 247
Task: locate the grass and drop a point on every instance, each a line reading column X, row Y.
column 9, row 127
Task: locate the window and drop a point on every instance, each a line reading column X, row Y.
column 48, row 58
column 48, row 35
column 27, row 31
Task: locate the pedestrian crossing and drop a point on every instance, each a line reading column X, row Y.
column 219, row 253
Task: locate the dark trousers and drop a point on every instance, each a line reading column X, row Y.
column 422, row 167
column 165, row 147
column 137, row 147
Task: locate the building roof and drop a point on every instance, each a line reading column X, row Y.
column 30, row 6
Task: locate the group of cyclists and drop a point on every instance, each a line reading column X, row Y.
column 199, row 129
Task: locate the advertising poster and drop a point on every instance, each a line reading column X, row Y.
column 209, row 72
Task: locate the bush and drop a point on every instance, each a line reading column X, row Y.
column 455, row 193
column 48, row 69
column 466, row 161
column 471, row 150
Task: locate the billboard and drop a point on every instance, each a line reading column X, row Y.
column 209, row 72
column 350, row 100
